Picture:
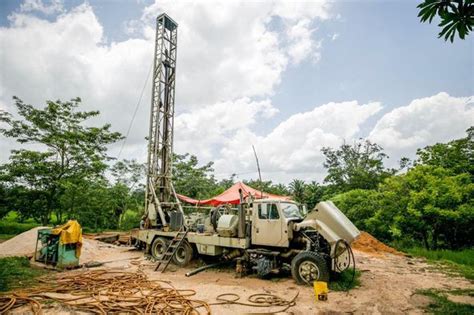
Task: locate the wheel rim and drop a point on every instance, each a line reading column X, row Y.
column 158, row 249
column 308, row 271
column 180, row 254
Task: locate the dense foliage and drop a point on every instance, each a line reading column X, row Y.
column 72, row 152
column 356, row 166
column 431, row 204
column 64, row 172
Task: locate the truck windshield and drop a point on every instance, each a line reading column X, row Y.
column 290, row 210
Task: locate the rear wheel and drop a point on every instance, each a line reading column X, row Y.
column 183, row 254
column 307, row 267
column 158, row 247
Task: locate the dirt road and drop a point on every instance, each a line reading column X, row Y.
column 388, row 285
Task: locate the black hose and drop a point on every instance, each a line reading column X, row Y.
column 351, row 260
column 198, row 270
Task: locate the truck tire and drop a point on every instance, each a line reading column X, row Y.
column 307, row 267
column 158, row 247
column 183, row 254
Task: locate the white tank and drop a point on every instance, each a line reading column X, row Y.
column 227, row 225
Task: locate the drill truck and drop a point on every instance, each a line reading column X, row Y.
column 265, row 236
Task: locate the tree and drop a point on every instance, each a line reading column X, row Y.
column 278, row 189
column 356, row 166
column 268, row 187
column 456, row 16
column 360, row 205
column 128, row 188
column 456, row 155
column 71, row 150
column 225, row 184
column 437, row 206
column 193, row 180
column 128, row 172
column 313, row 194
column 297, row 188
column 4, row 205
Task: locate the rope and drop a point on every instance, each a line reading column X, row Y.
column 258, row 300
column 134, row 113
column 106, row 291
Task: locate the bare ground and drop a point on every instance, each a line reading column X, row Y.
column 388, row 286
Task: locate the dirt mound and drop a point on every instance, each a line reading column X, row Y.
column 92, row 250
column 369, row 244
column 21, row 245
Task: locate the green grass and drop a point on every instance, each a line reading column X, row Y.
column 6, row 236
column 441, row 305
column 343, row 281
column 16, row 272
column 14, row 228
column 461, row 262
column 463, row 257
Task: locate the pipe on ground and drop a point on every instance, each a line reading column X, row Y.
column 198, row 270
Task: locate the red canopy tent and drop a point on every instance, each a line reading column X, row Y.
column 231, row 196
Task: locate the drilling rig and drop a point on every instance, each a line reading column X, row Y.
column 265, row 236
column 161, row 202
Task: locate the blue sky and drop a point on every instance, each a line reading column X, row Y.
column 382, row 53
column 369, row 51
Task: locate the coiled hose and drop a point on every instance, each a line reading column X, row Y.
column 338, row 253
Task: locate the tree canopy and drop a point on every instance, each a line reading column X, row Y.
column 69, row 151
column 457, row 16
column 63, row 171
column 355, row 166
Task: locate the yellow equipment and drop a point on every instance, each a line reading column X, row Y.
column 321, row 290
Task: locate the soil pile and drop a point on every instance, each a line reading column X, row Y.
column 369, row 244
column 92, row 250
column 21, row 245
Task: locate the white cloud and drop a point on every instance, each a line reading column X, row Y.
column 229, row 50
column 425, row 121
column 301, row 44
column 45, row 7
column 221, row 58
column 204, row 131
column 293, row 148
column 228, row 69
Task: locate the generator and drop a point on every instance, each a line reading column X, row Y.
column 61, row 246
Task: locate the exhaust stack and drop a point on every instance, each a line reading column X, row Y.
column 241, row 226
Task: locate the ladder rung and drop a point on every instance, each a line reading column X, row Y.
column 171, row 249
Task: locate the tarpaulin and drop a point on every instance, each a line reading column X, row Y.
column 70, row 233
column 231, row 196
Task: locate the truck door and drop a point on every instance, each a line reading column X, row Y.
column 267, row 225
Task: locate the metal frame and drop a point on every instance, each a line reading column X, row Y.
column 160, row 193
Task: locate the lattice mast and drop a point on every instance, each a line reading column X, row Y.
column 160, row 196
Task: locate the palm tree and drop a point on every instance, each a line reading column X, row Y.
column 297, row 187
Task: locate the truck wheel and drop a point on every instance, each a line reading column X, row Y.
column 158, row 247
column 307, row 267
column 183, row 254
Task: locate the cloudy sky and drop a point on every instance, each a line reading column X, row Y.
column 286, row 77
